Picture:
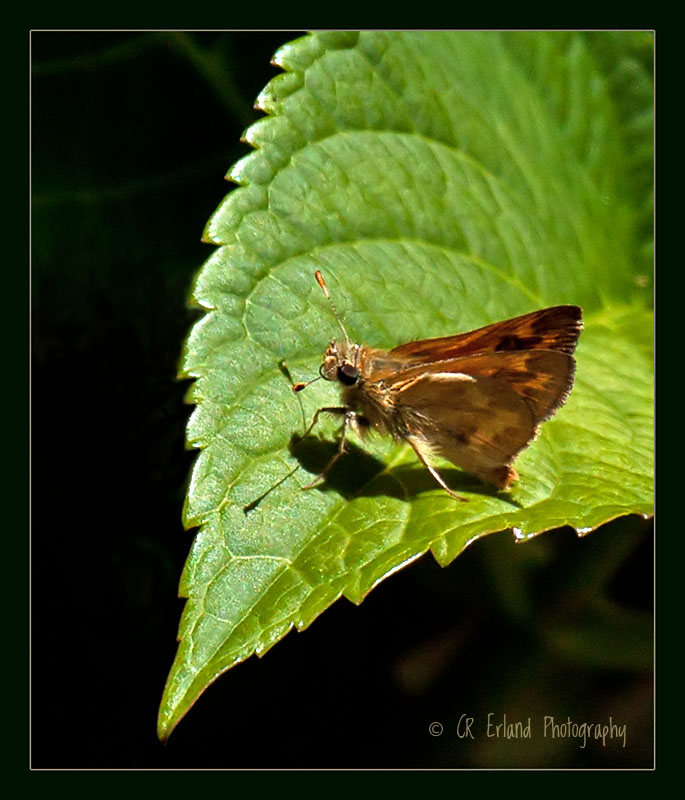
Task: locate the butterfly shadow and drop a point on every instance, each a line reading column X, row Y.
column 359, row 474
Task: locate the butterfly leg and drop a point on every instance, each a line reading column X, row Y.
column 349, row 418
column 339, row 410
column 433, row 471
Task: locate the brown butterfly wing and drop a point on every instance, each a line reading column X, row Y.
column 480, row 411
column 542, row 378
column 555, row 328
column 477, row 425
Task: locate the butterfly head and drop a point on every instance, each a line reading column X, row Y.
column 340, row 363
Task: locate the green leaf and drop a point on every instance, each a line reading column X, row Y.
column 440, row 181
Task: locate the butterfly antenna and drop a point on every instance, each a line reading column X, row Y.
column 324, row 288
column 298, row 387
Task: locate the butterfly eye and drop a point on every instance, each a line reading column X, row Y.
column 348, row 374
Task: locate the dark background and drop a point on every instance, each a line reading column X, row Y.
column 131, row 135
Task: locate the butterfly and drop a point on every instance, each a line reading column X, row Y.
column 475, row 399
